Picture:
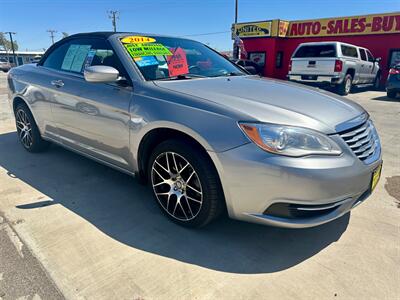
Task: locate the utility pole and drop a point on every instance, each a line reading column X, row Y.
column 114, row 15
column 52, row 32
column 12, row 46
column 235, row 46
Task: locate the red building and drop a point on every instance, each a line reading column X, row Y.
column 272, row 43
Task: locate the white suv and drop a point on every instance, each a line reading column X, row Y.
column 337, row 64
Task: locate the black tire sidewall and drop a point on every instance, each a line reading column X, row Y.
column 391, row 94
column 212, row 195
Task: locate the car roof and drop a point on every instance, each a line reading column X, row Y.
column 107, row 34
column 327, row 42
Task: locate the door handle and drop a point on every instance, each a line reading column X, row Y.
column 57, row 83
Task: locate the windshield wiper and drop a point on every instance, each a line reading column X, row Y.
column 183, row 77
column 230, row 74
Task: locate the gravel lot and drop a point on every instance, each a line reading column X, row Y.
column 98, row 234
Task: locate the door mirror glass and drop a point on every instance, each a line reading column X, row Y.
column 101, row 74
column 378, row 59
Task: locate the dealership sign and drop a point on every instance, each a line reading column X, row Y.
column 255, row 29
column 361, row 25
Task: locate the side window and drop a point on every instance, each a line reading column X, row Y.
column 370, row 57
column 349, row 51
column 78, row 54
column 56, row 57
column 363, row 54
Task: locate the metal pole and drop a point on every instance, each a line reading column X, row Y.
column 12, row 47
column 235, row 47
column 51, row 31
column 114, row 16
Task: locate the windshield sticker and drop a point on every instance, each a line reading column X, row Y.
column 137, row 40
column 69, row 57
column 147, row 49
column 75, row 58
column 89, row 58
column 177, row 63
column 80, row 57
column 146, row 61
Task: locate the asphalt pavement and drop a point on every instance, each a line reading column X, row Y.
column 73, row 227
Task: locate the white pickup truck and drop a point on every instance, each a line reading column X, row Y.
column 336, row 64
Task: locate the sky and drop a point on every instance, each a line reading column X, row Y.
column 208, row 21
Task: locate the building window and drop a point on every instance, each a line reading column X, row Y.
column 279, row 59
column 394, row 57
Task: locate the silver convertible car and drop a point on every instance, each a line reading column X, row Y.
column 205, row 135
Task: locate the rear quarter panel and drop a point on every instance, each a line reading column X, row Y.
column 28, row 83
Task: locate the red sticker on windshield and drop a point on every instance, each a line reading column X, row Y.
column 177, row 62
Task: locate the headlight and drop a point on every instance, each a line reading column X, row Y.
column 288, row 140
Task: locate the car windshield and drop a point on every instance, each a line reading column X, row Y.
column 165, row 58
column 316, row 51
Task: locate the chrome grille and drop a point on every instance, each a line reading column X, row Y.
column 363, row 140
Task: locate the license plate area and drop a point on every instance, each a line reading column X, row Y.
column 309, row 77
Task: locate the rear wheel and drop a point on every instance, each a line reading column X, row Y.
column 391, row 94
column 185, row 183
column 28, row 132
column 377, row 82
column 345, row 87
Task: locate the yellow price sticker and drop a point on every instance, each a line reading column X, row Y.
column 135, row 39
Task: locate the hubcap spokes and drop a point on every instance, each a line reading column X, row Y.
column 177, row 186
column 24, row 128
column 348, row 85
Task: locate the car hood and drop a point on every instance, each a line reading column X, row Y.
column 272, row 101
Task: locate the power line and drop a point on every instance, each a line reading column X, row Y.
column 52, row 32
column 208, row 33
column 114, row 15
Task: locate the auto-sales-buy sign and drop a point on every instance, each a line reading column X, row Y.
column 361, row 25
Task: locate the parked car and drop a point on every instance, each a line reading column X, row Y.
column 249, row 65
column 339, row 65
column 205, row 135
column 393, row 81
column 5, row 66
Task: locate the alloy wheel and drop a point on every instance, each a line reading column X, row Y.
column 348, row 85
column 24, row 128
column 177, row 186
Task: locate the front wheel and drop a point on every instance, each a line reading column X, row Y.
column 185, row 183
column 345, row 87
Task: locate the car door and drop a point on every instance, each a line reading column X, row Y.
column 372, row 68
column 92, row 118
column 363, row 66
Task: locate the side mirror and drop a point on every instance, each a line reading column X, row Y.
column 101, row 74
column 251, row 70
column 378, row 59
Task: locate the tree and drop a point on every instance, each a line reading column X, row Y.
column 6, row 44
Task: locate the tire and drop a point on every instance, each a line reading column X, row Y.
column 344, row 88
column 391, row 94
column 197, row 184
column 28, row 132
column 377, row 82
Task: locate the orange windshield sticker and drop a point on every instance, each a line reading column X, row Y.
column 177, row 62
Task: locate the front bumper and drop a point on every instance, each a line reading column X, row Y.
column 254, row 181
